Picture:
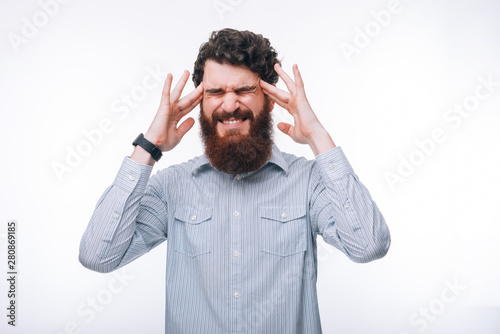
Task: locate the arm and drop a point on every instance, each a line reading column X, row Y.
column 343, row 212
column 341, row 208
column 130, row 218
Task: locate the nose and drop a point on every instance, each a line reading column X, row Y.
column 230, row 102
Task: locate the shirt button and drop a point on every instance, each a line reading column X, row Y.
column 236, row 214
column 193, row 217
column 116, row 216
column 346, row 205
column 236, row 253
column 238, row 177
column 283, row 215
column 236, row 295
column 331, row 166
column 131, row 177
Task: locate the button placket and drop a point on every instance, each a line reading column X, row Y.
column 236, row 225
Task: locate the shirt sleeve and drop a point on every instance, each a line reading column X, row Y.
column 343, row 212
column 129, row 219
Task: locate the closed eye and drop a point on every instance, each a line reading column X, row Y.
column 239, row 91
column 214, row 91
column 246, row 89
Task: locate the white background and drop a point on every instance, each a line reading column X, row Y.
column 69, row 74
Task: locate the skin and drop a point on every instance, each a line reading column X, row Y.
column 306, row 129
column 226, row 88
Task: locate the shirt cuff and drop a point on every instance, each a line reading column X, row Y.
column 334, row 164
column 133, row 176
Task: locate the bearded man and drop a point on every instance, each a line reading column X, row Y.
column 241, row 220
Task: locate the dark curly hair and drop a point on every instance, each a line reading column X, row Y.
column 238, row 48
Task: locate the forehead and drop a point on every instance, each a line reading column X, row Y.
column 227, row 76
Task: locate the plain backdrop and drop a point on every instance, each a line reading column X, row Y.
column 409, row 89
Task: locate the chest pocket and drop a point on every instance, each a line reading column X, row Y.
column 283, row 229
column 193, row 230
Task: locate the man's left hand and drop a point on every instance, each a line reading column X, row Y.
column 306, row 129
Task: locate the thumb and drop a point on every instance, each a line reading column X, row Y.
column 285, row 128
column 185, row 127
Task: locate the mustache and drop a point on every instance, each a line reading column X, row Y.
column 238, row 113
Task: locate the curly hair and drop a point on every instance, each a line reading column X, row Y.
column 238, row 48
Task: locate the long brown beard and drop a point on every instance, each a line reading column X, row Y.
column 236, row 153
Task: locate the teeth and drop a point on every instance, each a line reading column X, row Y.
column 232, row 122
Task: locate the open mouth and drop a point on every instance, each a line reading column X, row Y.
column 233, row 121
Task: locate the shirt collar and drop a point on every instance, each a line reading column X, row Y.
column 276, row 158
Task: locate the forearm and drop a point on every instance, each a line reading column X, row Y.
column 113, row 223
column 360, row 225
column 141, row 156
column 350, row 219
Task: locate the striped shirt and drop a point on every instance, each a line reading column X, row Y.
column 241, row 250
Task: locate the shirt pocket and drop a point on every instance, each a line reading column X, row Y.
column 283, row 229
column 193, row 235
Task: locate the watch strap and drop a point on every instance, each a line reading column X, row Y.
column 148, row 146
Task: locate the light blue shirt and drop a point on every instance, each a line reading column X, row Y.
column 241, row 251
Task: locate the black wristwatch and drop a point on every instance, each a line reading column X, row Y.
column 148, row 146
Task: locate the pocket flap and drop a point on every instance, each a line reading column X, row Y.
column 193, row 215
column 282, row 213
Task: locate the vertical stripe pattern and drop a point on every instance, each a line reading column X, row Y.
column 241, row 250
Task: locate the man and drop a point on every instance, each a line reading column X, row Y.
column 242, row 220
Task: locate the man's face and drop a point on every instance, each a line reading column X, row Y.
column 233, row 96
column 235, row 119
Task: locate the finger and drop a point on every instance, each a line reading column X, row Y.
column 280, row 103
column 285, row 128
column 299, row 83
column 271, row 89
column 265, row 85
column 165, row 93
column 189, row 108
column 275, row 92
column 286, row 78
column 185, row 127
column 282, row 96
column 191, row 97
column 176, row 93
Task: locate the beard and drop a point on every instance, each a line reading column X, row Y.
column 235, row 152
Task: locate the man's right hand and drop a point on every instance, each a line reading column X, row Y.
column 163, row 131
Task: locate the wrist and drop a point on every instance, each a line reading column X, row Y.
column 148, row 146
column 141, row 156
column 153, row 139
column 321, row 142
column 147, row 152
